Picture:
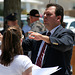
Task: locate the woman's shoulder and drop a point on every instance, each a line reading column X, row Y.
column 22, row 59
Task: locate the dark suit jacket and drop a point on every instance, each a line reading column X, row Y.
column 58, row 53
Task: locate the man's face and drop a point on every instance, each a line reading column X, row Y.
column 50, row 19
column 31, row 19
column 12, row 23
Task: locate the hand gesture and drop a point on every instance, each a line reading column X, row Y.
column 35, row 35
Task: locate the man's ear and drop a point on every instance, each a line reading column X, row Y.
column 58, row 18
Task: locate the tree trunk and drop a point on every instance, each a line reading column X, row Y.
column 11, row 6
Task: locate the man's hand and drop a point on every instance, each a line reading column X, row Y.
column 38, row 36
column 35, row 35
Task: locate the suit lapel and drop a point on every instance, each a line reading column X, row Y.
column 56, row 32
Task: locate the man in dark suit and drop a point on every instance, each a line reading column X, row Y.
column 58, row 45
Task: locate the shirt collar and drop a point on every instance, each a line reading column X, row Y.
column 53, row 30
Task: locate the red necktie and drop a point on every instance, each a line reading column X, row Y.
column 39, row 60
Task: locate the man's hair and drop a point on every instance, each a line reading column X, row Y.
column 59, row 10
column 11, row 45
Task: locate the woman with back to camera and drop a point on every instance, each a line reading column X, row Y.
column 12, row 60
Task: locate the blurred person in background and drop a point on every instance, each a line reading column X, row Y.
column 12, row 60
column 27, row 28
column 11, row 20
column 36, row 25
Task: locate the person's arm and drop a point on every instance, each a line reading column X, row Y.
column 28, row 71
column 38, row 36
column 64, row 43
